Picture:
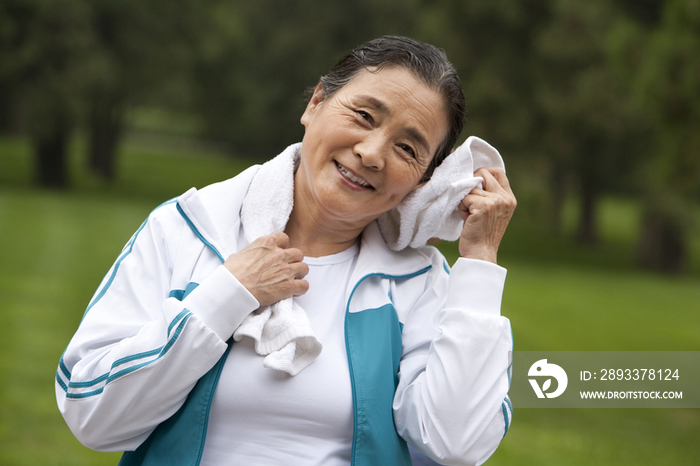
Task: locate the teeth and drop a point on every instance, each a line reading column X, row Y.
column 348, row 174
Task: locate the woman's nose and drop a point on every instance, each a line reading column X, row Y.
column 372, row 152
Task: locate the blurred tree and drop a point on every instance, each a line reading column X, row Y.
column 493, row 44
column 143, row 52
column 539, row 82
column 666, row 83
column 591, row 130
column 44, row 47
column 84, row 61
column 603, row 94
column 9, row 75
column 258, row 58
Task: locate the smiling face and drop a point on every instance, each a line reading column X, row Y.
column 367, row 146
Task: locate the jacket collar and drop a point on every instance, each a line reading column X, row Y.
column 213, row 213
column 377, row 259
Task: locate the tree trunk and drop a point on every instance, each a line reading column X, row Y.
column 663, row 245
column 588, row 224
column 558, row 184
column 106, row 123
column 6, row 108
column 51, row 160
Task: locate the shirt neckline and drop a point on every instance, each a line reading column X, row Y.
column 336, row 258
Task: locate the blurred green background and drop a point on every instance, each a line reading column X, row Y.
column 108, row 108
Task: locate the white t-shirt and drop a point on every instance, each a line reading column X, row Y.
column 262, row 416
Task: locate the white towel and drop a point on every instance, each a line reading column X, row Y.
column 432, row 211
column 282, row 331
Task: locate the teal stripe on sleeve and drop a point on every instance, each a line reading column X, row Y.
column 111, row 377
column 507, row 408
column 505, row 417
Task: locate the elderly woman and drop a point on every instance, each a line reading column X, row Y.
column 299, row 255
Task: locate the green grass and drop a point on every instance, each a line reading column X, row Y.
column 149, row 169
column 56, row 246
column 574, row 308
column 52, row 260
column 615, row 437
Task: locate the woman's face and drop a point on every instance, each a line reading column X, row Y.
column 367, row 146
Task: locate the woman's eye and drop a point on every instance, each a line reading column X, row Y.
column 366, row 116
column 408, row 149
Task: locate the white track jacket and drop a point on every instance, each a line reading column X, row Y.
column 428, row 350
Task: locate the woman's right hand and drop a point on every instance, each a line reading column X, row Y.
column 486, row 212
column 269, row 269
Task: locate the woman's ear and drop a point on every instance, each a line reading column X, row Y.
column 316, row 100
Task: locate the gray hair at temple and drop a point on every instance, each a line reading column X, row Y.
column 427, row 62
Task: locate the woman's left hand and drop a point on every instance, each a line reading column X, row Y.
column 486, row 213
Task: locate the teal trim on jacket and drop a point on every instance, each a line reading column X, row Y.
column 373, row 343
column 452, row 323
column 180, row 439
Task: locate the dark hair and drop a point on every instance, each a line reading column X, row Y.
column 428, row 63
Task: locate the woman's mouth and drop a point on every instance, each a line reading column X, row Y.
column 352, row 177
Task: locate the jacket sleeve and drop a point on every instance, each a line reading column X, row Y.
column 451, row 402
column 138, row 350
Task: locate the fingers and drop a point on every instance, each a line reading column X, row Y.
column 300, row 287
column 293, row 284
column 277, row 244
column 483, row 201
column 298, row 270
column 486, row 212
column 465, row 205
column 280, row 239
column 495, row 186
column 495, row 179
column 269, row 269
